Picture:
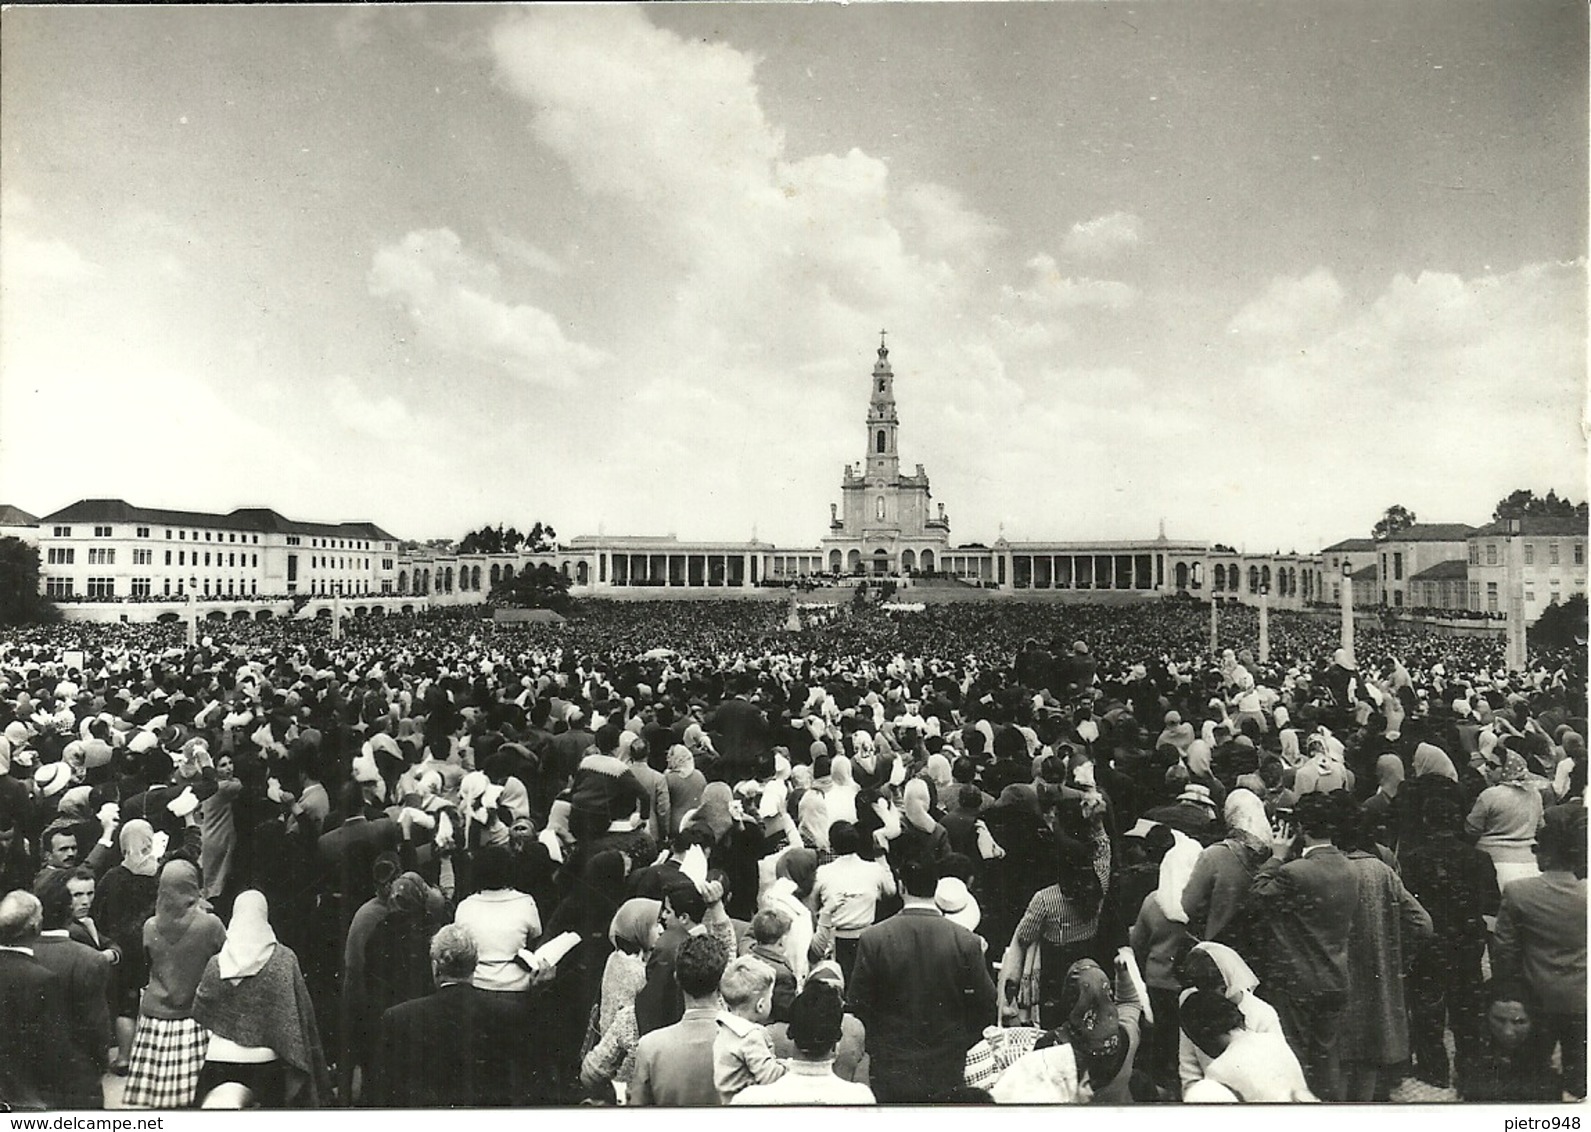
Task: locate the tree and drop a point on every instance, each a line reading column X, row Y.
column 20, row 601
column 1397, row 518
column 537, row 586
column 1526, row 504
column 1561, row 626
column 497, row 540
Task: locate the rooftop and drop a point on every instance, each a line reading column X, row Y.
column 1454, row 569
column 1536, row 525
column 260, row 519
column 1350, row 546
column 16, row 517
column 1433, row 532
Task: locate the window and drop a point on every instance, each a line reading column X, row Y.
column 1552, row 553
column 1474, row 554
column 143, row 532
column 1491, row 554
column 1530, row 593
column 254, row 588
column 232, row 538
column 63, row 532
column 60, row 556
column 881, row 507
column 207, row 558
column 1579, row 554
column 256, row 540
column 102, row 587
column 1491, row 597
column 386, row 563
column 168, row 558
column 1530, row 553
column 231, row 559
column 182, row 558
column 880, row 442
column 1397, row 598
column 58, row 587
column 182, row 535
column 1474, row 595
column 256, row 561
column 1397, row 567
column 143, row 558
column 207, row 587
column 167, row 589
column 206, row 536
column 293, row 540
column 168, row 532
column 101, row 556
column 140, row 587
column 102, row 532
column 1554, row 596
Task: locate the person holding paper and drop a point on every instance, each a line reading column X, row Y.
column 503, row 921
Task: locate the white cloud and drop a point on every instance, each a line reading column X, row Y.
column 1049, row 290
column 28, row 261
column 527, row 253
column 447, row 294
column 1291, row 307
column 1104, row 236
column 383, row 418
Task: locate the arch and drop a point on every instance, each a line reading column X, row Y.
column 475, row 578
column 1253, row 579
column 1220, row 578
column 240, row 615
column 880, row 442
column 1196, row 575
column 323, row 613
column 1181, row 575
column 908, row 561
column 1265, row 576
column 218, row 615
column 582, row 573
column 834, row 560
column 263, row 615
column 564, row 569
column 361, row 610
column 880, row 561
column 495, row 574
column 403, row 581
column 853, row 561
column 880, row 508
column 447, row 579
column 408, row 609
column 926, row 562
column 168, row 618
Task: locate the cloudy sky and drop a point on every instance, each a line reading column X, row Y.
column 1258, row 269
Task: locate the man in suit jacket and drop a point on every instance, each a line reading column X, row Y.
column 674, row 1065
column 84, row 974
column 740, row 734
column 921, row 988
column 38, row 1062
column 458, row 1047
column 1303, row 908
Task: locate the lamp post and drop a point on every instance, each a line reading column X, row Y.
column 1215, row 631
column 1265, row 624
column 1514, row 652
column 193, row 621
column 336, row 617
column 1347, row 606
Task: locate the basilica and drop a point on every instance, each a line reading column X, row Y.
column 107, row 559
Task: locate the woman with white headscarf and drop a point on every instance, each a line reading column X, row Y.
column 1324, row 768
column 1215, row 893
column 842, row 791
column 1216, row 967
column 253, row 1001
column 1156, row 938
column 1505, row 818
column 124, row 899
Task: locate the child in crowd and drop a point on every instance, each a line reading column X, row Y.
column 768, row 930
column 742, row 1052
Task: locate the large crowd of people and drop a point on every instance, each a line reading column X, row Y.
column 672, row 853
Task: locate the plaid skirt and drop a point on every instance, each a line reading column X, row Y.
column 168, row 1054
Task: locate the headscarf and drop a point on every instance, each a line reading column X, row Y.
column 1090, row 1010
column 410, row 895
column 1176, row 868
column 1291, row 755
column 1237, row 976
column 680, row 760
column 1245, row 818
column 938, row 771
column 916, row 806
column 634, row 925
column 1198, row 758
column 1433, row 760
column 515, row 798
column 1514, row 772
column 842, row 791
column 138, row 848
column 713, row 810
column 814, row 819
column 250, row 941
column 176, row 899
column 800, row 867
column 1389, row 774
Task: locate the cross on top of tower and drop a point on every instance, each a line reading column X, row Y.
column 883, row 347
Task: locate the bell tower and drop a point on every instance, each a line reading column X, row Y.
column 883, row 456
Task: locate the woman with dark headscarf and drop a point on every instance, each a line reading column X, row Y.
column 1016, row 823
column 789, row 893
column 593, row 901
column 179, row 939
column 1060, row 927
column 125, row 899
column 253, row 1000
column 1103, row 1026
column 1220, row 881
column 738, row 845
column 398, row 956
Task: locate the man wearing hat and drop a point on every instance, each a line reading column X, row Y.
column 1193, row 811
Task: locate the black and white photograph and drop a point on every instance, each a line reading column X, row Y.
column 887, row 554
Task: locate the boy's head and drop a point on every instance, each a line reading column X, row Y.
column 1209, row 1019
column 699, row 966
column 769, row 926
column 845, row 838
column 747, row 988
column 1509, row 1013
column 816, row 1018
